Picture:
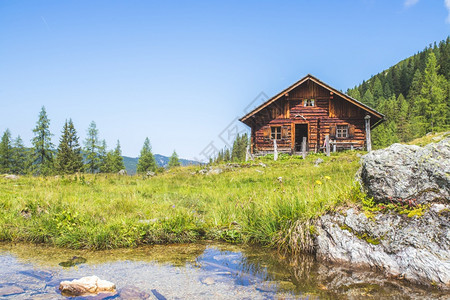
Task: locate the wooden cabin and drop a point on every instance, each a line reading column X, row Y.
column 310, row 109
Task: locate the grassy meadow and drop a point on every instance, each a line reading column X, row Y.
column 247, row 202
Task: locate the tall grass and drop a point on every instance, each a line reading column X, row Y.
column 245, row 203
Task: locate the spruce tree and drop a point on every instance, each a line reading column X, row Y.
column 173, row 160
column 402, row 119
column 20, row 157
column 103, row 158
column 91, row 149
column 118, row 158
column 69, row 159
column 6, row 153
column 432, row 105
column 377, row 91
column 113, row 160
column 107, row 165
column 42, row 146
column 146, row 160
column 368, row 99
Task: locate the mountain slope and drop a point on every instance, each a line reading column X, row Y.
column 413, row 95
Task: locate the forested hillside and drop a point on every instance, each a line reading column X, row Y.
column 413, row 95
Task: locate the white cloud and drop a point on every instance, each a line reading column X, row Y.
column 409, row 3
column 447, row 5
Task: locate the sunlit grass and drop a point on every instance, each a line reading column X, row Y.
column 245, row 203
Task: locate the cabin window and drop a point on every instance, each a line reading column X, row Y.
column 275, row 133
column 308, row 102
column 342, row 131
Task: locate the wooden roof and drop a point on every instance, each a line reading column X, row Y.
column 369, row 110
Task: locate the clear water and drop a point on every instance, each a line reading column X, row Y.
column 193, row 271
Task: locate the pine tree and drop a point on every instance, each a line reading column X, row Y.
column 403, row 121
column 354, row 93
column 107, row 165
column 368, row 99
column 20, row 157
column 103, row 158
column 173, row 160
column 113, row 161
column 377, row 91
column 6, row 153
column 91, row 149
column 42, row 146
column 432, row 105
column 146, row 160
column 69, row 159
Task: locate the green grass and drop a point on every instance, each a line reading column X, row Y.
column 245, row 203
column 430, row 138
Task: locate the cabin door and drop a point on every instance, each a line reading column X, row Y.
column 301, row 131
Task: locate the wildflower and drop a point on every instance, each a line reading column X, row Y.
column 173, row 206
column 327, row 177
column 318, row 182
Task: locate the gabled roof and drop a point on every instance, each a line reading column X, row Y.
column 321, row 83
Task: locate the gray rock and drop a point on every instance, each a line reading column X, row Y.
column 408, row 173
column 13, row 177
column 203, row 171
column 215, row 171
column 262, row 164
column 150, row 174
column 318, row 162
column 413, row 248
column 122, row 172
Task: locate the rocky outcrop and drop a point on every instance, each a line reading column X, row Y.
column 86, row 286
column 411, row 246
column 408, row 173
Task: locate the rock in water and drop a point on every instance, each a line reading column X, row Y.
column 402, row 173
column 86, row 286
column 76, row 260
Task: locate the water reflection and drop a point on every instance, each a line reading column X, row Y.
column 194, row 271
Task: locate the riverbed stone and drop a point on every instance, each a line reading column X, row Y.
column 408, row 173
column 133, row 293
column 208, row 281
column 11, row 290
column 86, row 285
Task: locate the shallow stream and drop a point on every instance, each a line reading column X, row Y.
column 193, row 271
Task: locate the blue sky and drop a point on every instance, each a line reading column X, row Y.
column 182, row 72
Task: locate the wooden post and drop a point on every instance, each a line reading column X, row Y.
column 368, row 138
column 304, row 147
column 327, row 144
column 248, row 154
column 275, row 150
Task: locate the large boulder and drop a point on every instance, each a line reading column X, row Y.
column 413, row 248
column 407, row 173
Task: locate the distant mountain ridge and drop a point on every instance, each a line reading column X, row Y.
column 161, row 160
